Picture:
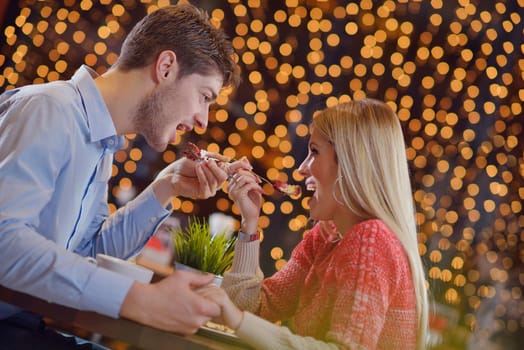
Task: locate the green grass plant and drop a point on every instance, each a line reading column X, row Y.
column 196, row 247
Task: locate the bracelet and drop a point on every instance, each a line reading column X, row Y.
column 244, row 237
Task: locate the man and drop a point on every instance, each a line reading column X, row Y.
column 56, row 148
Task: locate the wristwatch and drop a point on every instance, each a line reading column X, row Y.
column 244, row 237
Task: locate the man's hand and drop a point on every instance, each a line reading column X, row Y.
column 171, row 304
column 195, row 179
column 198, row 179
column 189, row 179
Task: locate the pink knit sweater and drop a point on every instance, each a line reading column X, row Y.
column 357, row 293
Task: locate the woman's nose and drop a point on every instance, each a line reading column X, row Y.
column 303, row 169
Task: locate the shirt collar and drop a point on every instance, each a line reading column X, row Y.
column 101, row 126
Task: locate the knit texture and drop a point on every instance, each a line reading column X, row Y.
column 356, row 293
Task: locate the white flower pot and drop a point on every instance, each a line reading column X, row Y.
column 179, row 266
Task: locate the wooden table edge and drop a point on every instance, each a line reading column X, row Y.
column 128, row 331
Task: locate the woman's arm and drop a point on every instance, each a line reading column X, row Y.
column 257, row 332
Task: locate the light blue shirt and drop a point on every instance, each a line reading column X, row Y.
column 57, row 142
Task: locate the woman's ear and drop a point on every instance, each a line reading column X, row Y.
column 166, row 66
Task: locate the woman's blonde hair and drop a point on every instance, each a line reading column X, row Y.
column 373, row 177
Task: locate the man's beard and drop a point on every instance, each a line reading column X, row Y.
column 150, row 118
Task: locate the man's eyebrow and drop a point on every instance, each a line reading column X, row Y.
column 214, row 94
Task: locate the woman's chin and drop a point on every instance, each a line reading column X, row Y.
column 319, row 212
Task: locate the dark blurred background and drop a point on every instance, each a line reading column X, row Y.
column 452, row 70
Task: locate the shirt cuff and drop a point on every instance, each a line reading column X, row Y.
column 150, row 204
column 106, row 292
column 148, row 214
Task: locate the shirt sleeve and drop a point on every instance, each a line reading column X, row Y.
column 31, row 263
column 139, row 219
column 262, row 335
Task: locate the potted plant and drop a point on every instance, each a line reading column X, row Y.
column 197, row 249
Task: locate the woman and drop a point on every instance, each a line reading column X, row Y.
column 356, row 280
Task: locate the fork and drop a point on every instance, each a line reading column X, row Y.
column 262, row 178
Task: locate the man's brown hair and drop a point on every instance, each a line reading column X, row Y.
column 200, row 47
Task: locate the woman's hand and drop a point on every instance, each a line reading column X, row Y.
column 245, row 190
column 231, row 316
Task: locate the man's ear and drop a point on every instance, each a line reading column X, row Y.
column 166, row 66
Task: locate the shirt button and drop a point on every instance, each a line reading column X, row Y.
column 153, row 219
column 111, row 142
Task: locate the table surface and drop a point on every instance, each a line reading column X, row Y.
column 129, row 332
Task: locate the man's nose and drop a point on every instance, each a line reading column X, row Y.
column 201, row 119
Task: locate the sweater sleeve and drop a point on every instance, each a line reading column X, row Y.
column 262, row 335
column 279, row 297
column 242, row 283
column 274, row 298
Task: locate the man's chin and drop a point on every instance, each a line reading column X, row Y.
column 158, row 147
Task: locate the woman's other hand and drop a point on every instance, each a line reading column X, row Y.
column 231, row 315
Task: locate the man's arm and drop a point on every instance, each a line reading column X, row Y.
column 34, row 146
column 142, row 216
